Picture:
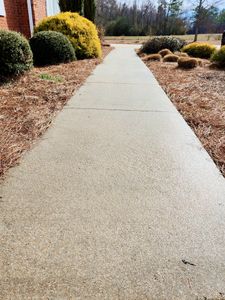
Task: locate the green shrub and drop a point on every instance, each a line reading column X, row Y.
column 81, row 32
column 159, row 43
column 187, row 63
column 201, row 50
column 50, row 48
column 15, row 54
column 165, row 52
column 149, row 57
column 219, row 57
column 170, row 58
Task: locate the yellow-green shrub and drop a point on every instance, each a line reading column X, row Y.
column 80, row 31
column 202, row 50
column 219, row 57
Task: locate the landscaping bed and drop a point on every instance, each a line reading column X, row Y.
column 29, row 104
column 199, row 95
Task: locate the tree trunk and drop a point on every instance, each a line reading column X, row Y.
column 223, row 39
column 196, row 33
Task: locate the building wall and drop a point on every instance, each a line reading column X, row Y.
column 39, row 10
column 10, row 20
column 22, row 17
column 17, row 15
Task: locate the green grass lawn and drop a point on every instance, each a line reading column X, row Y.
column 211, row 38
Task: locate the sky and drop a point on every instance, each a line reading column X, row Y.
column 188, row 4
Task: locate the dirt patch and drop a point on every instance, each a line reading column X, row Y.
column 199, row 95
column 29, row 104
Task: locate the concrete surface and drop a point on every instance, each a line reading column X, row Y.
column 118, row 192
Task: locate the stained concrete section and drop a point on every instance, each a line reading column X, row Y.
column 118, row 201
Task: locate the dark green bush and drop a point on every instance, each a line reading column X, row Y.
column 15, row 54
column 50, row 48
column 159, row 43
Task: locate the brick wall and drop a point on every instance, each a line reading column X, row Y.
column 22, row 17
column 10, row 21
column 17, row 15
column 39, row 10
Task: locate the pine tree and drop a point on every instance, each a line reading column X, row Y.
column 89, row 10
column 71, row 5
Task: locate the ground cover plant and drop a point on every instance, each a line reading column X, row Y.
column 170, row 58
column 165, row 52
column 199, row 96
column 187, row 62
column 81, row 32
column 29, row 104
column 181, row 54
column 152, row 57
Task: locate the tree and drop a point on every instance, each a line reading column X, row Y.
column 90, row 9
column 168, row 16
column 201, row 11
column 173, row 19
column 221, row 21
column 118, row 27
column 71, row 5
column 83, row 7
column 162, row 17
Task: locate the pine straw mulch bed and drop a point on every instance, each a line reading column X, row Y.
column 199, row 95
column 29, row 104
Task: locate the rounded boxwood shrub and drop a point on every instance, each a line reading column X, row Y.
column 159, row 43
column 181, row 54
column 201, row 50
column 15, row 54
column 50, row 48
column 165, row 52
column 156, row 57
column 187, row 63
column 170, row 58
column 219, row 57
column 81, row 32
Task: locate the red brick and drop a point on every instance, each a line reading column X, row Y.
column 17, row 15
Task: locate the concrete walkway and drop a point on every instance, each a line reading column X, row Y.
column 118, row 201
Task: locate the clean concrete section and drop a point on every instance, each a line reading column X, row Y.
column 118, row 201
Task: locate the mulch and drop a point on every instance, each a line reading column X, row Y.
column 29, row 104
column 199, row 95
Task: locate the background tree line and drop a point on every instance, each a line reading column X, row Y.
column 165, row 18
